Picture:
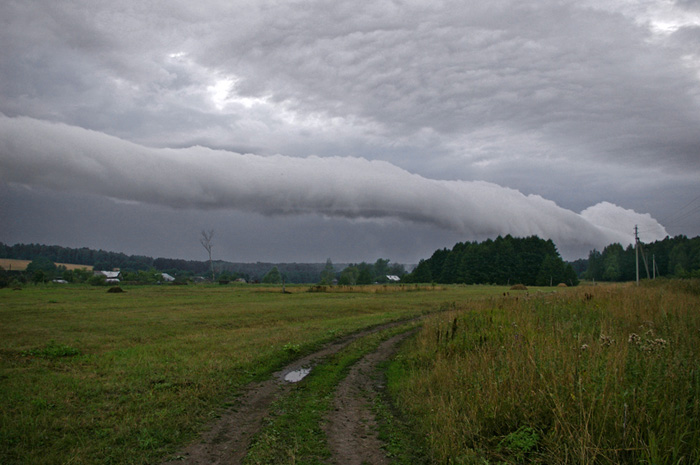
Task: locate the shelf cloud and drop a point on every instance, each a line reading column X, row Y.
column 69, row 158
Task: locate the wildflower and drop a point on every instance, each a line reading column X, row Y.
column 606, row 340
column 584, row 347
column 634, row 338
column 660, row 343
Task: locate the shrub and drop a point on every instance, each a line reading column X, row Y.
column 97, row 280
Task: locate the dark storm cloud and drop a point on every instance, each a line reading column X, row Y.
column 573, row 76
column 579, row 102
column 573, row 80
column 73, row 159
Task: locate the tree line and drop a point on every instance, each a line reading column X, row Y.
column 99, row 259
column 369, row 273
column 505, row 260
column 141, row 266
column 673, row 257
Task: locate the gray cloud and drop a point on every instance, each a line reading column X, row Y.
column 68, row 158
column 578, row 102
column 569, row 78
column 573, row 76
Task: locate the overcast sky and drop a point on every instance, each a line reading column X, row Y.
column 303, row 130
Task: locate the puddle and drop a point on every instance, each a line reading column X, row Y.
column 297, row 375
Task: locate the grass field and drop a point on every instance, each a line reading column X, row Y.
column 594, row 375
column 11, row 264
column 91, row 377
column 604, row 374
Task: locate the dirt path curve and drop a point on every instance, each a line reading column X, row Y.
column 227, row 439
column 352, row 427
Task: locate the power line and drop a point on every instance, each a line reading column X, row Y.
column 681, row 213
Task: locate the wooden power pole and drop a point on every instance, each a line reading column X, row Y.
column 636, row 250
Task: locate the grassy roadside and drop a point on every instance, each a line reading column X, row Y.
column 595, row 375
column 403, row 443
column 89, row 377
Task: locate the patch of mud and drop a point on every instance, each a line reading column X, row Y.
column 352, row 427
column 227, row 439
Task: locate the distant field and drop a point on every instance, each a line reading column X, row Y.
column 21, row 265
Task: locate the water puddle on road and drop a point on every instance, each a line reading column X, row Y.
column 297, row 375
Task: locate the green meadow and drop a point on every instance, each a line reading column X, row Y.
column 92, row 377
column 593, row 374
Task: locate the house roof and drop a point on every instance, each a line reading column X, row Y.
column 110, row 274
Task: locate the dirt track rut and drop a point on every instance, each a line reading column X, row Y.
column 352, row 428
column 227, row 439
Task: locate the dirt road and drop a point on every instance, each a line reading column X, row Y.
column 352, row 428
column 351, row 425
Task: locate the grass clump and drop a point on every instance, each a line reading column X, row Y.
column 520, row 443
column 612, row 377
column 52, row 350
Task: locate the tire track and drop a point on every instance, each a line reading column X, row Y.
column 352, row 427
column 227, row 439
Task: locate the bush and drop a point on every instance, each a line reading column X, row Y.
column 4, row 278
column 97, row 280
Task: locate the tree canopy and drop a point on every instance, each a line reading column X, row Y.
column 368, row 273
column 505, row 260
column 273, row 276
column 677, row 257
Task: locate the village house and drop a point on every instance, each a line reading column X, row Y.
column 111, row 277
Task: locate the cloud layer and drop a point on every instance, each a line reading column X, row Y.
column 68, row 158
column 584, row 103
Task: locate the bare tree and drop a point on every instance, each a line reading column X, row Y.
column 205, row 240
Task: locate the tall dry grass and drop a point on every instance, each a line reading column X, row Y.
column 605, row 374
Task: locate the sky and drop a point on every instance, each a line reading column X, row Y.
column 304, row 130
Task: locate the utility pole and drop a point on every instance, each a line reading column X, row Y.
column 653, row 265
column 636, row 250
column 644, row 257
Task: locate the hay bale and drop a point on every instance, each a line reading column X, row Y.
column 518, row 287
column 115, row 290
column 562, row 285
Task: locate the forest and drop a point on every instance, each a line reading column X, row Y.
column 143, row 269
column 673, row 257
column 104, row 260
column 505, row 260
